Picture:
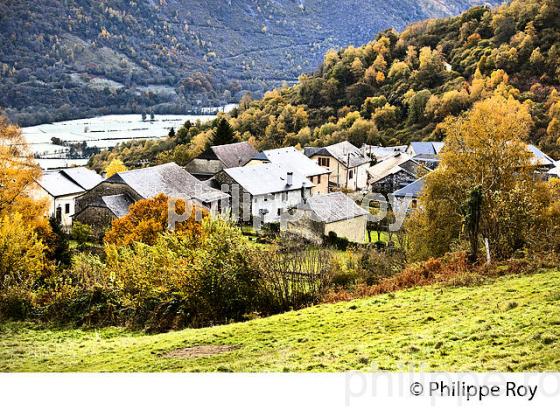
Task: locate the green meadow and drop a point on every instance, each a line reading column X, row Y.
column 508, row 324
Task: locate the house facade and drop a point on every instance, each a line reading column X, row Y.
column 291, row 158
column 394, row 173
column 111, row 198
column 263, row 192
column 346, row 163
column 61, row 188
column 320, row 215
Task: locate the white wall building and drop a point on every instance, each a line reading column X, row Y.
column 60, row 189
column 347, row 163
column 265, row 191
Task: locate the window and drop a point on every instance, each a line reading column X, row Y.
column 319, row 179
column 351, row 174
column 279, row 211
column 414, row 203
column 284, row 196
column 324, row 162
column 67, row 208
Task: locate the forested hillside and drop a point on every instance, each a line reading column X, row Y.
column 400, row 86
column 75, row 58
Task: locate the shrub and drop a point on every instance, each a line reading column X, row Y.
column 22, row 254
column 294, row 279
column 332, row 239
column 81, row 233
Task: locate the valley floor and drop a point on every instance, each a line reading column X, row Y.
column 511, row 324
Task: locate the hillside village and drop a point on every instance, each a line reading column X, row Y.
column 404, row 198
column 323, row 185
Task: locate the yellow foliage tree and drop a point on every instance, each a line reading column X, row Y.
column 114, row 167
column 18, row 173
column 22, row 254
column 484, row 149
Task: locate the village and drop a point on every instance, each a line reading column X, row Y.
column 312, row 192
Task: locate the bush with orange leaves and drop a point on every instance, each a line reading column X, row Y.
column 452, row 269
column 147, row 219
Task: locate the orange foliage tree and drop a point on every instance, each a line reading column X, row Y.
column 148, row 218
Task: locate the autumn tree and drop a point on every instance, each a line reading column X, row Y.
column 22, row 254
column 484, row 150
column 114, row 167
column 148, row 218
column 18, row 173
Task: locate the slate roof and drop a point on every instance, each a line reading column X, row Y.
column 82, row 176
column 555, row 172
column 381, row 153
column 292, row 158
column 57, row 185
column 333, row 207
column 411, row 190
column 388, row 167
column 118, row 204
column 540, row 158
column 169, row 179
column 344, row 152
column 267, row 179
column 425, row 148
column 261, row 156
column 231, row 155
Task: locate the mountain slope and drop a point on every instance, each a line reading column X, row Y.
column 508, row 325
column 73, row 58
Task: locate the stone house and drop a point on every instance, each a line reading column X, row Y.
column 294, row 160
column 321, row 214
column 220, row 157
column 111, row 198
column 394, row 173
column 263, row 192
column 61, row 188
column 347, row 163
column 406, row 198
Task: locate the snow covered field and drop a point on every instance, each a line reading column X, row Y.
column 105, row 131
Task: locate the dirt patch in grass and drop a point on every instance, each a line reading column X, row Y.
column 199, row 351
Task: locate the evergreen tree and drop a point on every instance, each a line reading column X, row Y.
column 59, row 246
column 223, row 134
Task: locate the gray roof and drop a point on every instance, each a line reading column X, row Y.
column 555, row 172
column 84, row 177
column 411, row 190
column 234, row 155
column 333, row 207
column 540, row 158
column 429, row 151
column 118, row 204
column 58, row 185
column 261, row 156
column 169, row 179
column 388, row 167
column 293, row 159
column 381, row 153
column 267, row 179
column 344, row 152
column 425, row 147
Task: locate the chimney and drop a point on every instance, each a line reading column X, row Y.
column 290, row 178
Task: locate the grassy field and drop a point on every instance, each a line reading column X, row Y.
column 511, row 324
